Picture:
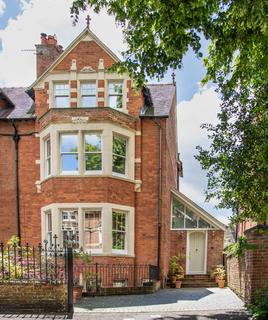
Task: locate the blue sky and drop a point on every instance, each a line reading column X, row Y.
column 22, row 21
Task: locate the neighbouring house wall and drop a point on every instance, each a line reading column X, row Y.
column 33, row 297
column 252, row 268
column 243, row 226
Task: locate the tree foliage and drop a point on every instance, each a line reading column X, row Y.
column 159, row 33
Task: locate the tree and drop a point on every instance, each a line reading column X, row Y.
column 159, row 33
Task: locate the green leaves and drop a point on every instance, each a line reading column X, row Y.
column 159, row 33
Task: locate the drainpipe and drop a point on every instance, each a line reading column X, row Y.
column 159, row 206
column 16, row 139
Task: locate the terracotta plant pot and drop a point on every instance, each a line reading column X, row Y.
column 178, row 284
column 173, row 279
column 77, row 293
column 221, row 283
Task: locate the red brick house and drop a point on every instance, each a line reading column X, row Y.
column 86, row 157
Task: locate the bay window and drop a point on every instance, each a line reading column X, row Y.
column 119, row 155
column 115, row 95
column 119, row 226
column 93, row 152
column 47, row 157
column 48, row 222
column 88, row 95
column 69, row 153
column 69, row 227
column 61, row 95
column 93, row 230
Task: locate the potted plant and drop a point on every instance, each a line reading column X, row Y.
column 179, row 277
column 176, row 271
column 77, row 291
column 219, row 273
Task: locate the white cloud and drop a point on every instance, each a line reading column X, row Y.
column 52, row 17
column 202, row 108
column 2, row 7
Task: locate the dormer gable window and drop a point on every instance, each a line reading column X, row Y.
column 88, row 95
column 61, row 95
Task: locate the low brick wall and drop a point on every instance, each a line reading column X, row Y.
column 128, row 290
column 33, row 297
column 235, row 268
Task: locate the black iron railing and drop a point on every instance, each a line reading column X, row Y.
column 27, row 263
column 95, row 275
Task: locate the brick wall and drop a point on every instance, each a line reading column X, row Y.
column 249, row 274
column 236, row 272
column 215, row 248
column 33, row 297
column 28, row 175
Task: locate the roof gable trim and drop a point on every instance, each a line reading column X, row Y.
column 201, row 212
column 85, row 35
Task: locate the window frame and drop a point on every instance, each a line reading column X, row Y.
column 211, row 225
column 125, row 250
column 121, row 82
column 123, row 175
column 49, row 233
column 69, row 172
column 88, row 95
column 84, row 211
column 78, row 236
column 47, row 158
column 92, row 172
column 61, row 95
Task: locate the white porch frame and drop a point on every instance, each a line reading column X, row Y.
column 188, row 249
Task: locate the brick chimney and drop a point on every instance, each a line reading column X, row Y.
column 46, row 52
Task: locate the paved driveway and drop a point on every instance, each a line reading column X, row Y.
column 209, row 300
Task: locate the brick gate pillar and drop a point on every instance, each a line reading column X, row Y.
column 256, row 261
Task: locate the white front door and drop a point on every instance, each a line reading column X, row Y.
column 196, row 262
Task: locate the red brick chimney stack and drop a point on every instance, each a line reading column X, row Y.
column 46, row 52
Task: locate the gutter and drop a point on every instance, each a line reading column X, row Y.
column 159, row 205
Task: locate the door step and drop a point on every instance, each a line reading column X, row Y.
column 198, row 281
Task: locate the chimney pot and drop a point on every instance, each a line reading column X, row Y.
column 43, row 38
column 51, row 40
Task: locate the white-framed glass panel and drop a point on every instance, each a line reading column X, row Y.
column 93, row 230
column 119, row 231
column 88, row 94
column 93, row 152
column 61, row 95
column 69, row 153
column 69, row 227
column 119, row 163
column 185, row 218
column 47, row 157
column 115, row 95
column 48, row 222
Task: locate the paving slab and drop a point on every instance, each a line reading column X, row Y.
column 166, row 300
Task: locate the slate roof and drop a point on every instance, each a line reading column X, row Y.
column 21, row 105
column 158, row 100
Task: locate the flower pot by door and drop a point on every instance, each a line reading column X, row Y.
column 221, row 283
column 178, row 284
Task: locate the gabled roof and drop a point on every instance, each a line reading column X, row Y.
column 193, row 206
column 72, row 45
column 21, row 104
column 158, row 99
